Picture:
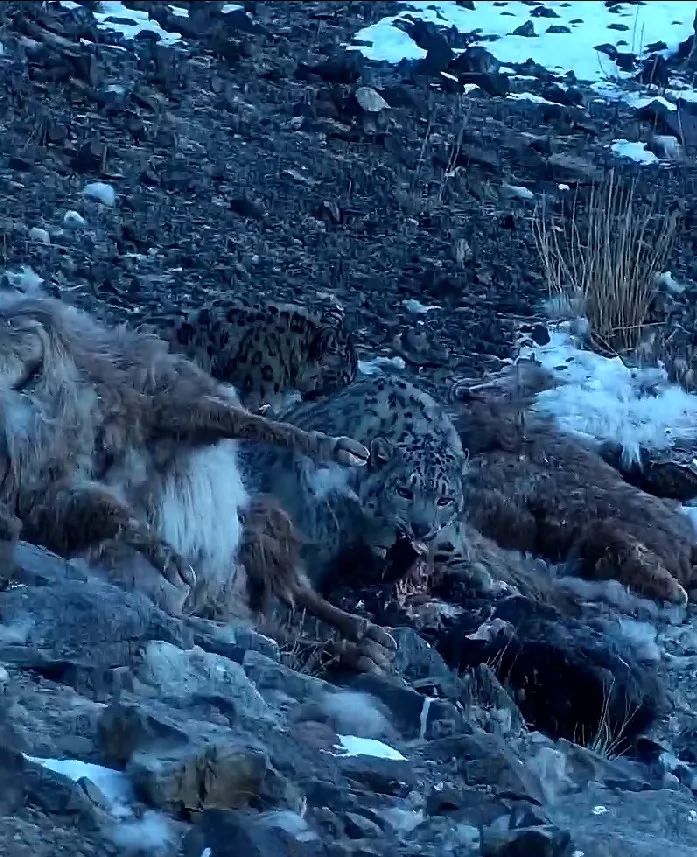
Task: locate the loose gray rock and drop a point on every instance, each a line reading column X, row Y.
column 370, row 100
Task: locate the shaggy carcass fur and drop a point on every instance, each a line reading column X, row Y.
column 464, row 561
column 107, row 439
column 532, row 488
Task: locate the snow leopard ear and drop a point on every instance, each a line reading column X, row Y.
column 330, row 332
column 322, row 342
column 380, row 451
column 333, row 315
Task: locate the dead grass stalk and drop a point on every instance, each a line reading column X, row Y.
column 604, row 257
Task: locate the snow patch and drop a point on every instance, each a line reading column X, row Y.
column 377, row 364
column 418, row 308
column 602, row 399
column 354, row 746
column 114, row 785
column 590, row 25
column 668, row 282
column 614, row 92
column 151, row 832
column 24, row 280
column 100, row 191
column 129, row 23
column 633, row 151
column 423, row 717
column 528, row 96
column 386, row 43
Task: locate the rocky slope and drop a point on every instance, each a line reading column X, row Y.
column 243, row 159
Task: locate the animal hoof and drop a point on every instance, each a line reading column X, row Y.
column 174, row 567
column 351, row 453
column 189, row 576
column 680, row 596
column 177, row 571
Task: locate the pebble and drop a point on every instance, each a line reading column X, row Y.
column 73, row 220
column 101, row 192
column 36, row 233
column 517, row 192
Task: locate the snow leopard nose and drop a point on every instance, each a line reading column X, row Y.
column 421, row 529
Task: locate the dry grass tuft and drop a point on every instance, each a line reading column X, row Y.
column 303, row 646
column 603, row 259
column 608, row 740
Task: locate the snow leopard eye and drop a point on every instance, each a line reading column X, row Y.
column 405, row 492
column 445, row 501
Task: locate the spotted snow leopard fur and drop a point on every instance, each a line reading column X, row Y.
column 266, row 352
column 412, row 486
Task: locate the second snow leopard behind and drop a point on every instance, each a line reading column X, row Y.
column 268, row 351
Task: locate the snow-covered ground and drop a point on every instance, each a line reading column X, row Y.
column 590, row 24
column 150, row 832
column 601, row 398
column 129, row 22
column 634, row 151
column 113, row 784
column 380, row 363
column 351, row 745
column 112, row 15
column 630, row 29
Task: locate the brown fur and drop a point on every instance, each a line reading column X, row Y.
column 270, row 546
column 270, row 553
column 547, row 493
column 107, row 438
column 483, row 562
